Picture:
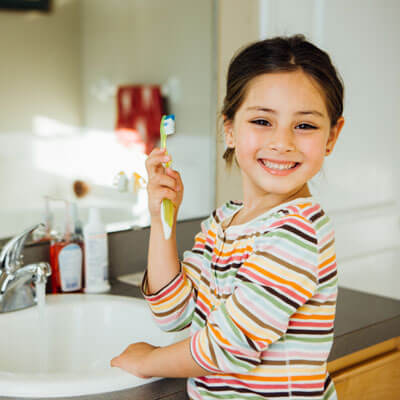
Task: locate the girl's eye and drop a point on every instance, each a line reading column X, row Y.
column 264, row 122
column 260, row 122
column 306, row 126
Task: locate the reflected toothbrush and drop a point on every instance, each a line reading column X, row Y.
column 167, row 127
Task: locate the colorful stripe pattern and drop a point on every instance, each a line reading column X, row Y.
column 260, row 301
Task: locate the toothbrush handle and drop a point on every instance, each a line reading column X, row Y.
column 167, row 212
column 167, row 217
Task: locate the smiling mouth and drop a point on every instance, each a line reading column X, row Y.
column 278, row 166
column 279, row 170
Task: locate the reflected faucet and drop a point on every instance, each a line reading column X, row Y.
column 16, row 288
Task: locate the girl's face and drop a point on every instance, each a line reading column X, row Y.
column 282, row 120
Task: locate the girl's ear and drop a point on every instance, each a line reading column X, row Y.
column 228, row 130
column 334, row 134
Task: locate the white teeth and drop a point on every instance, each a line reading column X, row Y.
column 277, row 166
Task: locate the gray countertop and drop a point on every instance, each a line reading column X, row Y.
column 362, row 320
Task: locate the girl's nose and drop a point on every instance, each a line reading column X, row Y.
column 282, row 140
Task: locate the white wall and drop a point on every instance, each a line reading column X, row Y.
column 237, row 25
column 40, row 66
column 149, row 42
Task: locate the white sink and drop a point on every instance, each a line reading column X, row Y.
column 66, row 349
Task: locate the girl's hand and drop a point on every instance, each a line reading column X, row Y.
column 133, row 359
column 162, row 183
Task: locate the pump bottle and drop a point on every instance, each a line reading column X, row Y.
column 96, row 254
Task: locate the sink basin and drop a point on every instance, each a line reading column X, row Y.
column 65, row 348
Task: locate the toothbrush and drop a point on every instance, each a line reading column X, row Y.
column 167, row 127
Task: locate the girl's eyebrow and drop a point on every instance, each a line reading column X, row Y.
column 307, row 112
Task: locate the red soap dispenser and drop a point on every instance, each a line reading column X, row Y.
column 66, row 259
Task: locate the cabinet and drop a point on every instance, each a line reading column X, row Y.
column 369, row 374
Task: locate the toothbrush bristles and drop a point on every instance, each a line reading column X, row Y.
column 169, row 124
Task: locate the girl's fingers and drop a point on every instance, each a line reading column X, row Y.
column 167, row 193
column 115, row 362
column 165, row 181
column 176, row 176
column 154, row 161
column 156, row 151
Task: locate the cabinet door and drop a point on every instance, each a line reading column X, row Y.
column 378, row 378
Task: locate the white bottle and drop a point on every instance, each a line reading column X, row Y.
column 96, row 254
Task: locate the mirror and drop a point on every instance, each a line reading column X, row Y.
column 59, row 81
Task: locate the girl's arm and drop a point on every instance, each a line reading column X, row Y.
column 169, row 286
column 145, row 361
column 173, row 305
column 163, row 261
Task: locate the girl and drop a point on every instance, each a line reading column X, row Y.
column 259, row 287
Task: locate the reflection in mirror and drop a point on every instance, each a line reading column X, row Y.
column 60, row 85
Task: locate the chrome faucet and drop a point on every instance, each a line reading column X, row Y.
column 18, row 282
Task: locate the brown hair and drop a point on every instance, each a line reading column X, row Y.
column 281, row 54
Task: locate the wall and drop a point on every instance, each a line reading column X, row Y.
column 40, row 66
column 148, row 42
column 359, row 187
column 237, row 26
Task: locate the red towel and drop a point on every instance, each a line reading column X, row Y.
column 139, row 113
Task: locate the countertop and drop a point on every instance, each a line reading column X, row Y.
column 362, row 320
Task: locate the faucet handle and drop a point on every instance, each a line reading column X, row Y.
column 10, row 257
column 43, row 271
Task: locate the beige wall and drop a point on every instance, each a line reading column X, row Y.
column 40, row 66
column 237, row 26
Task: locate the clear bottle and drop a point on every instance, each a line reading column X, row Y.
column 77, row 224
column 96, row 254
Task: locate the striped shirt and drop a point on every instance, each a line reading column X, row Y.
column 260, row 300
